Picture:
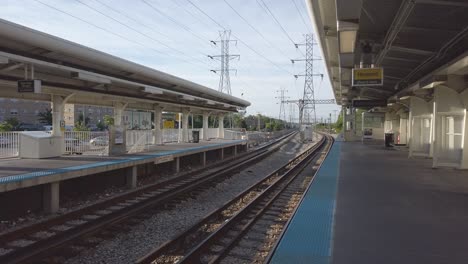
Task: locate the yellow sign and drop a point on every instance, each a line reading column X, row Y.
column 367, row 76
column 168, row 124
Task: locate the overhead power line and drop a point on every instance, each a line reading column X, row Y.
column 184, row 27
column 300, row 14
column 132, row 19
column 239, row 39
column 258, row 32
column 108, row 31
column 141, row 33
column 268, row 11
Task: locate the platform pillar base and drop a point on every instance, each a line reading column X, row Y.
column 51, row 197
column 203, row 159
column 132, row 177
column 177, row 165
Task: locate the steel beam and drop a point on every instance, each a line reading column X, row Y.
column 412, row 50
column 440, row 2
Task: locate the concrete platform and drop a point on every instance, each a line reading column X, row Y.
column 22, row 173
column 389, row 209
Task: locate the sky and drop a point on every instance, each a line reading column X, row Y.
column 175, row 37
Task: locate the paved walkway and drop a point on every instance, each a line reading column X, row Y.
column 387, row 209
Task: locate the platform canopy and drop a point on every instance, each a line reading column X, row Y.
column 90, row 77
column 416, row 42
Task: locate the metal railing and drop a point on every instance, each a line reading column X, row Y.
column 9, row 144
column 233, row 134
column 86, row 143
column 138, row 140
column 171, row 135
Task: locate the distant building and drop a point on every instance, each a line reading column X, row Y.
column 25, row 111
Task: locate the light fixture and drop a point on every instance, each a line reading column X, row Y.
column 189, row 98
column 90, row 77
column 347, row 36
column 347, row 41
column 404, row 97
column 152, row 90
column 390, row 104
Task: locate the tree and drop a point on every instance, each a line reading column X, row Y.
column 82, row 119
column 5, row 127
column 80, row 126
column 101, row 126
column 108, row 120
column 45, row 117
column 339, row 123
column 14, row 123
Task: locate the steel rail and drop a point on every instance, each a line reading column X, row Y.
column 128, row 205
column 190, row 248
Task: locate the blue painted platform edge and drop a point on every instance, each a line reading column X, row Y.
column 146, row 156
column 308, row 235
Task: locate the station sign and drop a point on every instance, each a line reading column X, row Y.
column 168, row 124
column 163, row 159
column 29, row 86
column 369, row 103
column 367, row 77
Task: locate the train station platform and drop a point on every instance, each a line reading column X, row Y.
column 369, row 204
column 22, row 173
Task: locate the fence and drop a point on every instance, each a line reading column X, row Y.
column 233, row 135
column 138, row 140
column 9, row 144
column 171, row 135
column 86, row 143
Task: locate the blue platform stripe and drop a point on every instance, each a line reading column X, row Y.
column 129, row 158
column 308, row 238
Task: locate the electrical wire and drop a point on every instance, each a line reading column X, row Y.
column 132, row 19
column 239, row 39
column 142, row 34
column 190, row 13
column 184, row 27
column 267, row 9
column 300, row 14
column 108, row 31
column 253, row 28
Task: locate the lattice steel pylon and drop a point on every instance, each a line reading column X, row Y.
column 307, row 103
column 282, row 98
column 225, row 57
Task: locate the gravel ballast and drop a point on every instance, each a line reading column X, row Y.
column 152, row 232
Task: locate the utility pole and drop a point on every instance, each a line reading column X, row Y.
column 224, row 58
column 281, row 97
column 307, row 103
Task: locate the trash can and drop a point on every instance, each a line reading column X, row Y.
column 195, row 136
column 389, row 142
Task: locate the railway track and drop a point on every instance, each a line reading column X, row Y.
column 55, row 240
column 251, row 221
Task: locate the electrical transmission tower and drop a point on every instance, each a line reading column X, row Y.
column 282, row 98
column 224, row 57
column 307, row 103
